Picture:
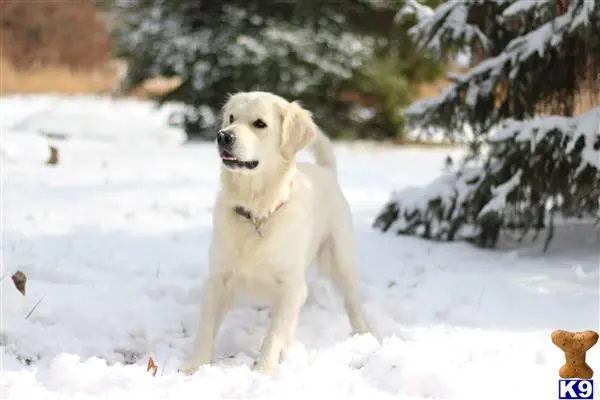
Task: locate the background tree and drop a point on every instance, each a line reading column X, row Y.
column 539, row 58
column 41, row 34
column 390, row 79
column 311, row 51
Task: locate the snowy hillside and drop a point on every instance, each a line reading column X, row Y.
column 113, row 240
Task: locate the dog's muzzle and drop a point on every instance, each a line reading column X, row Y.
column 225, row 142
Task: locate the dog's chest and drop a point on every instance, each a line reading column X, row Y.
column 256, row 277
column 262, row 288
column 248, row 240
column 255, row 263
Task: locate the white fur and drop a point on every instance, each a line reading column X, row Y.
column 314, row 224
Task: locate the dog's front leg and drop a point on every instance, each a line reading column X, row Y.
column 216, row 301
column 284, row 317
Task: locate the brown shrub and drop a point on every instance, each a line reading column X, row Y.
column 47, row 33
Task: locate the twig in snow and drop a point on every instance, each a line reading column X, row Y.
column 480, row 298
column 54, row 135
column 550, row 231
column 34, row 307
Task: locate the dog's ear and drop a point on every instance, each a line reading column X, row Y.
column 298, row 130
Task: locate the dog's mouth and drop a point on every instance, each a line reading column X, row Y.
column 232, row 161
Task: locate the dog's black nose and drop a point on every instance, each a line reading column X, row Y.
column 225, row 139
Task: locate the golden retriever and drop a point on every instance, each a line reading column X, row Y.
column 273, row 218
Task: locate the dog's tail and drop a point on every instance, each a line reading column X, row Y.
column 323, row 151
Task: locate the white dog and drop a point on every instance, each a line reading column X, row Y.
column 272, row 219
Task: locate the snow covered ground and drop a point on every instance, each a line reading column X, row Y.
column 114, row 238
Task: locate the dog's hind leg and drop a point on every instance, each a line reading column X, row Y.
column 337, row 260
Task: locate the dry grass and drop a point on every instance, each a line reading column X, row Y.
column 63, row 81
column 56, row 80
column 586, row 101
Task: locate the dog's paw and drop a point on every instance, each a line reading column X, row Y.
column 267, row 370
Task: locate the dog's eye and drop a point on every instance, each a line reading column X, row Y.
column 259, row 123
column 231, row 119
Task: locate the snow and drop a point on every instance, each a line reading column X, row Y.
column 113, row 240
column 56, row 116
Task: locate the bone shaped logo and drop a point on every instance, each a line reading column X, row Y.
column 575, row 345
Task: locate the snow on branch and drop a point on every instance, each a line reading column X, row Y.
column 478, row 85
column 476, row 202
column 522, row 8
column 582, row 132
column 500, row 194
column 435, row 210
column 413, row 7
column 445, row 26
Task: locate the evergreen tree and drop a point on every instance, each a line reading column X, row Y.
column 390, row 79
column 519, row 102
column 308, row 51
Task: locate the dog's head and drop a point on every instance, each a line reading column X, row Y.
column 261, row 131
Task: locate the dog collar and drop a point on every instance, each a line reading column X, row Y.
column 256, row 221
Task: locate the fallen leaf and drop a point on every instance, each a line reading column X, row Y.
column 53, row 160
column 20, row 280
column 152, row 366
